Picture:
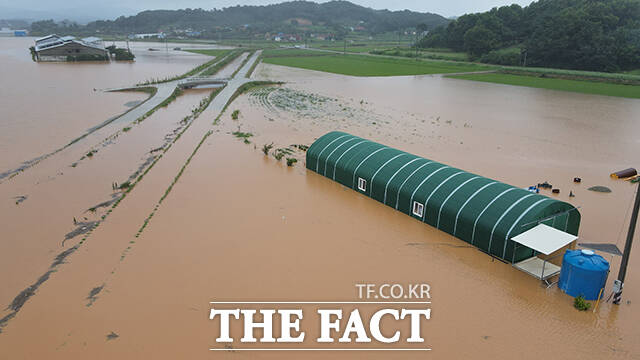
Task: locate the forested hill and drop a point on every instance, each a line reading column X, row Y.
column 287, row 17
column 599, row 35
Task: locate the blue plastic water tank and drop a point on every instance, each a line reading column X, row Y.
column 583, row 273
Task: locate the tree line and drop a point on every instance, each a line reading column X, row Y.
column 596, row 35
column 287, row 17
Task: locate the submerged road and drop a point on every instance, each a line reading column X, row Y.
column 164, row 91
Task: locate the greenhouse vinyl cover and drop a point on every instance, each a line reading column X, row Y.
column 483, row 212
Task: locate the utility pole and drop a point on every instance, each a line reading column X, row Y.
column 345, row 45
column 415, row 44
column 619, row 283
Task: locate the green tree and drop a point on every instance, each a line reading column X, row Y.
column 479, row 40
column 600, row 35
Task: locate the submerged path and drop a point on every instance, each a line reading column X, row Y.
column 164, row 91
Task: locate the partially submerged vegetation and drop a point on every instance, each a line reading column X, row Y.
column 253, row 66
column 196, row 70
column 213, row 69
column 617, row 78
column 151, row 90
column 120, row 54
column 187, row 121
column 243, row 135
column 305, row 104
column 28, row 164
column 581, row 304
column 288, row 153
column 279, row 153
column 244, row 62
column 542, row 82
column 266, row 148
column 291, row 161
column 242, row 89
column 174, row 95
column 210, row 52
column 434, row 54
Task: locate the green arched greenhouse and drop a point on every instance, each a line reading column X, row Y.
column 483, row 212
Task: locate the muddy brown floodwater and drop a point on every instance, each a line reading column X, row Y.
column 236, row 225
column 46, row 105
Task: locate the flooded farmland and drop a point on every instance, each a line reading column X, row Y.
column 47, row 105
column 214, row 219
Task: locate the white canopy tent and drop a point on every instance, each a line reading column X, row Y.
column 546, row 240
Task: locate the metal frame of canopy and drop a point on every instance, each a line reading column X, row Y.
column 542, row 239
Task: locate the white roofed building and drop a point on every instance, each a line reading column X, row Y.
column 68, row 48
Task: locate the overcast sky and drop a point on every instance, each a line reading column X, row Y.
column 113, row 8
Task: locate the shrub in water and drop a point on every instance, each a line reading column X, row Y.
column 581, row 304
column 291, row 161
column 266, row 148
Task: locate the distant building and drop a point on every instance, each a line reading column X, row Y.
column 60, row 48
column 7, row 32
column 147, row 36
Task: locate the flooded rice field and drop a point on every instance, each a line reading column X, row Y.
column 214, row 219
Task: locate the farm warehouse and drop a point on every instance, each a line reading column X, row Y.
column 483, row 212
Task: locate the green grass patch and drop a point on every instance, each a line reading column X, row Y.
column 151, row 90
column 357, row 49
column 244, row 62
column 174, row 95
column 253, row 67
column 620, row 78
column 358, row 65
column 209, row 52
column 288, row 52
column 579, row 86
column 422, row 54
column 213, row 69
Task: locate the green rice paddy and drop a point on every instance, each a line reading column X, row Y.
column 359, row 65
column 210, row 52
column 579, row 86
